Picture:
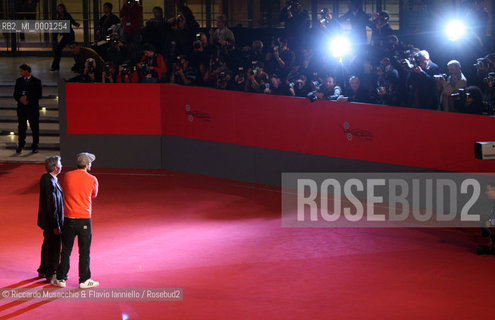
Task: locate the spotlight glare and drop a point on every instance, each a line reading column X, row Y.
column 340, row 47
column 455, row 30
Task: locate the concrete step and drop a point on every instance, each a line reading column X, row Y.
column 43, row 119
column 41, row 146
column 10, row 101
column 45, row 96
column 43, row 132
column 13, row 106
column 46, row 143
column 45, row 116
column 9, row 126
column 44, row 84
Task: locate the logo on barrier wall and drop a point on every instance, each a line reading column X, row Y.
column 360, row 134
column 194, row 114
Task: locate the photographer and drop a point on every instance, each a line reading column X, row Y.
column 284, row 57
column 296, row 21
column 257, row 52
column 355, row 92
column 239, row 80
column 387, row 84
column 118, row 52
column 469, row 100
column 154, row 31
column 380, row 30
column 327, row 26
column 252, row 85
column 108, row 75
column 81, row 56
column 277, row 87
column 183, row 72
column 216, row 66
column 299, row 87
column 455, row 81
column 107, row 22
column 152, row 67
column 181, row 32
column 224, row 80
column 222, row 37
column 327, row 90
column 199, row 58
column 90, row 74
column 485, row 72
column 422, row 85
column 127, row 74
column 359, row 20
column 131, row 15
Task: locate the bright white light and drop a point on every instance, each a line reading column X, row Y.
column 455, row 30
column 125, row 316
column 340, row 47
column 12, row 133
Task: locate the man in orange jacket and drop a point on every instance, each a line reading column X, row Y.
column 80, row 188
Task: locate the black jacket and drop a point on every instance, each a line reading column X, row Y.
column 51, row 208
column 33, row 91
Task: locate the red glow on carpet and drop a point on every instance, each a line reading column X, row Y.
column 222, row 242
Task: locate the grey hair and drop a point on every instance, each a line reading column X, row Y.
column 51, row 163
column 424, row 54
column 454, row 63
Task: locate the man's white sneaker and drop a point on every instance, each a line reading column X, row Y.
column 58, row 283
column 88, row 284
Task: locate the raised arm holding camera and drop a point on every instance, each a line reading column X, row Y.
column 421, row 82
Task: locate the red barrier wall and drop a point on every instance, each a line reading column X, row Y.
column 401, row 136
column 113, row 109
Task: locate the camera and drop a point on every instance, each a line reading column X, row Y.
column 312, row 95
column 240, row 72
column 217, row 63
column 292, row 3
column 326, row 16
column 126, row 70
column 90, row 65
column 108, row 70
column 440, row 76
column 483, row 63
column 461, row 94
column 145, row 68
column 197, row 44
column 490, row 79
column 460, row 98
column 381, row 90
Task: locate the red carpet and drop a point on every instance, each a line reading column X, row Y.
column 221, row 241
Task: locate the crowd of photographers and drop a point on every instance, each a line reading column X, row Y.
column 294, row 64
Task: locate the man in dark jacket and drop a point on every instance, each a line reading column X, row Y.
column 355, row 92
column 27, row 93
column 50, row 217
column 421, row 82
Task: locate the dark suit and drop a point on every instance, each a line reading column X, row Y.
column 423, row 88
column 50, row 216
column 30, row 112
